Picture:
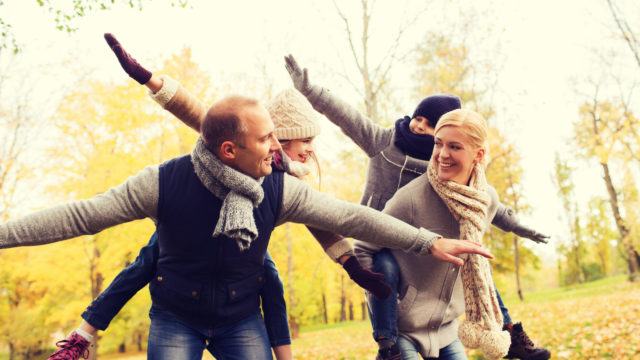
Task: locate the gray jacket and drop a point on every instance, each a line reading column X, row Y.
column 389, row 168
column 431, row 290
column 137, row 198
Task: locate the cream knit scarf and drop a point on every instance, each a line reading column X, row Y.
column 239, row 194
column 482, row 327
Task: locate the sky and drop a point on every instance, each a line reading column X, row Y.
column 545, row 51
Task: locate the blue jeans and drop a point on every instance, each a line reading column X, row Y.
column 125, row 285
column 384, row 312
column 273, row 305
column 172, row 339
column 453, row 351
column 137, row 275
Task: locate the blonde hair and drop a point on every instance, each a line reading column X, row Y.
column 472, row 124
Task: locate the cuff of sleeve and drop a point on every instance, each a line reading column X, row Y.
column 424, row 241
column 167, row 92
column 342, row 247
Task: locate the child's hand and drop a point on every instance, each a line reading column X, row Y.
column 300, row 77
column 128, row 63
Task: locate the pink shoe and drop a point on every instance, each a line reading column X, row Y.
column 72, row 348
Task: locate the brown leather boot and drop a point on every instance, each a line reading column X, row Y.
column 521, row 345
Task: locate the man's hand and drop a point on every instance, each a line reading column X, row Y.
column 128, row 63
column 531, row 234
column 449, row 249
column 300, row 77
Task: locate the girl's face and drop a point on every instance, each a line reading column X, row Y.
column 419, row 125
column 454, row 156
column 298, row 149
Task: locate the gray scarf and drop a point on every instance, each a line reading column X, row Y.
column 239, row 194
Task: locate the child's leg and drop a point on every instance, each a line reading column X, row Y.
column 384, row 312
column 506, row 318
column 521, row 345
column 128, row 282
column 105, row 307
column 274, row 306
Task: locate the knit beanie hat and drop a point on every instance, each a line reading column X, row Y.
column 293, row 116
column 434, row 106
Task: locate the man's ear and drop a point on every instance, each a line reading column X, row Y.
column 228, row 150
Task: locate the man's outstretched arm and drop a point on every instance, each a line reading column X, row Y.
column 302, row 204
column 135, row 199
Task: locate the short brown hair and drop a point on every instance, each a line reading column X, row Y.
column 223, row 123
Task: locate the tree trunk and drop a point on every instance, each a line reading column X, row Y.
column 516, row 255
column 365, row 312
column 633, row 263
column 343, row 300
column 12, row 351
column 351, row 315
column 325, row 315
column 293, row 321
column 577, row 250
column 97, row 280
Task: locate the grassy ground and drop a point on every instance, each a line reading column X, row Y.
column 598, row 320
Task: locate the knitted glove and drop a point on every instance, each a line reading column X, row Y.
column 128, row 63
column 530, row 234
column 366, row 279
column 299, row 77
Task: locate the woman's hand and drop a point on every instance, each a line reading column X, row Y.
column 449, row 249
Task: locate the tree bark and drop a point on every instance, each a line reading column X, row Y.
column 633, row 262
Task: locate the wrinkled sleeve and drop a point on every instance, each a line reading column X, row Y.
column 135, row 199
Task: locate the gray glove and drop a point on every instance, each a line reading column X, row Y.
column 530, row 234
column 300, row 77
column 507, row 220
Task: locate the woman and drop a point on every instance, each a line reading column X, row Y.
column 460, row 204
column 397, row 156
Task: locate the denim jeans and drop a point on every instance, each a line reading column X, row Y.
column 274, row 306
column 137, row 275
column 384, row 312
column 506, row 318
column 125, row 285
column 171, row 339
column 453, row 351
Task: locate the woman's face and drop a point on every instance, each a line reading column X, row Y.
column 454, row 156
column 298, row 149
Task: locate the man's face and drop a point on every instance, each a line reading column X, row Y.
column 258, row 144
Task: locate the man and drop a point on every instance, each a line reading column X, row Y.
column 215, row 210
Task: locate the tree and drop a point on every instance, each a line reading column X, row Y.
column 65, row 16
column 599, row 134
column 628, row 34
column 374, row 74
column 573, row 249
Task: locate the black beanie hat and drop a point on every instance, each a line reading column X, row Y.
column 434, row 106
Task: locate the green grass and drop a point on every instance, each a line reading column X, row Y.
column 574, row 322
column 577, row 291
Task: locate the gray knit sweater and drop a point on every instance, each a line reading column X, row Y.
column 137, row 198
column 432, row 297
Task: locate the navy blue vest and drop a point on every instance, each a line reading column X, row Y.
column 201, row 279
